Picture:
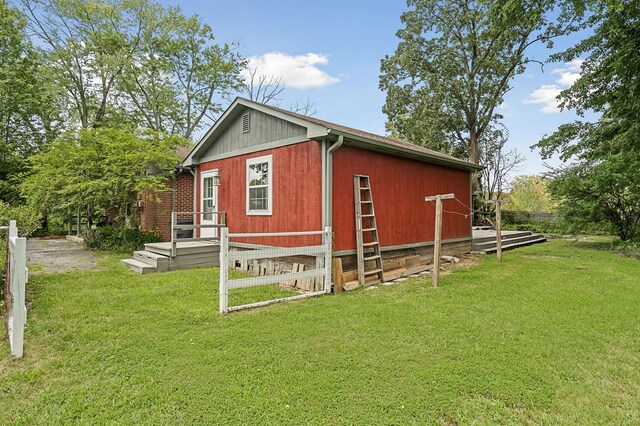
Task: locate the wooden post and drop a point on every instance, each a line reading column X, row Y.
column 498, row 229
column 435, row 274
column 338, row 276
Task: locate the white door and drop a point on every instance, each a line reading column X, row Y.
column 208, row 203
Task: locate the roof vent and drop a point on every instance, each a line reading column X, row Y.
column 246, row 122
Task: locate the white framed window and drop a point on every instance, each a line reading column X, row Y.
column 259, row 185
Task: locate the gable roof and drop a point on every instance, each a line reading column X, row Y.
column 317, row 128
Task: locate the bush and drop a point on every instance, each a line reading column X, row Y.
column 119, row 239
column 27, row 219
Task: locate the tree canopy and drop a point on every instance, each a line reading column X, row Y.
column 99, row 171
column 530, row 193
column 455, row 62
column 92, row 91
column 134, row 62
column 600, row 181
column 28, row 116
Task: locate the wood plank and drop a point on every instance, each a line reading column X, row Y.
column 412, row 261
column 391, row 264
column 350, row 275
column 274, row 279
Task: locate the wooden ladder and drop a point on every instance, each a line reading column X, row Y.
column 366, row 213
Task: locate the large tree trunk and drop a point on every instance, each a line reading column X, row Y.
column 474, row 157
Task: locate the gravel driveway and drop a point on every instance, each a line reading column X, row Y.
column 58, row 255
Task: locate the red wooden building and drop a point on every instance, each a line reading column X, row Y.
column 278, row 171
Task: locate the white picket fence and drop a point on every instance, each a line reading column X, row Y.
column 317, row 279
column 17, row 278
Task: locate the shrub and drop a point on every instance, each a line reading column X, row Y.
column 27, row 219
column 119, row 239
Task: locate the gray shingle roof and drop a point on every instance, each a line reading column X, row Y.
column 386, row 140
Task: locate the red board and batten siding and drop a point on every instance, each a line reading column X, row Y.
column 297, row 193
column 398, row 186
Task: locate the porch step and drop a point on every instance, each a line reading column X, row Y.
column 506, row 235
column 479, row 245
column 159, row 261
column 536, row 240
column 139, row 267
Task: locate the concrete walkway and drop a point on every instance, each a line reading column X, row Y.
column 46, row 256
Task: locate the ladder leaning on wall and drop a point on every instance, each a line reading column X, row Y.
column 366, row 229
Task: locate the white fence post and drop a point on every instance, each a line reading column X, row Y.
column 13, row 229
column 327, row 240
column 17, row 270
column 224, row 268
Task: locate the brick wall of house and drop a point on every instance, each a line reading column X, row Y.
column 184, row 193
column 158, row 205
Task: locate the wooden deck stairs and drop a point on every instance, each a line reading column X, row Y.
column 367, row 241
column 484, row 240
column 156, row 257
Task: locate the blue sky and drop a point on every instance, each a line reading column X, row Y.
column 330, row 52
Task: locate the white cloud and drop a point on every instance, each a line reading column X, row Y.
column 569, row 73
column 298, row 72
column 546, row 94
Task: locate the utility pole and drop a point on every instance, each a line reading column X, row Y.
column 435, row 274
column 498, row 229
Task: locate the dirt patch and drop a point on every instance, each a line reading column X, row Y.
column 546, row 256
column 45, row 256
column 470, row 259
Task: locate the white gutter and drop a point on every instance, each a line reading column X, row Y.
column 385, row 147
column 329, row 179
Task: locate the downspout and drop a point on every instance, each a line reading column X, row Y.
column 329, row 180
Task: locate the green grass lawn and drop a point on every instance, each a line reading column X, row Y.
column 551, row 335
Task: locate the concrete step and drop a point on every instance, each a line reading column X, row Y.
column 139, row 267
column 158, row 261
column 539, row 239
column 505, row 241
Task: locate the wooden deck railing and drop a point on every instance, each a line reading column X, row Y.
column 175, row 227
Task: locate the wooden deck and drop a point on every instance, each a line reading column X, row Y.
column 484, row 240
column 156, row 257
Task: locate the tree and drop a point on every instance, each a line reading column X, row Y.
column 499, row 164
column 267, row 90
column 530, row 193
column 455, row 62
column 88, row 44
column 307, row 107
column 206, row 73
column 96, row 171
column 28, row 116
column 600, row 181
column 262, row 88
column 134, row 61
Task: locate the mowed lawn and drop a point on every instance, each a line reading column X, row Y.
column 550, row 336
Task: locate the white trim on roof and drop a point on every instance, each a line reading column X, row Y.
column 313, row 130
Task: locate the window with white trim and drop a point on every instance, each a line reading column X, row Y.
column 259, row 185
